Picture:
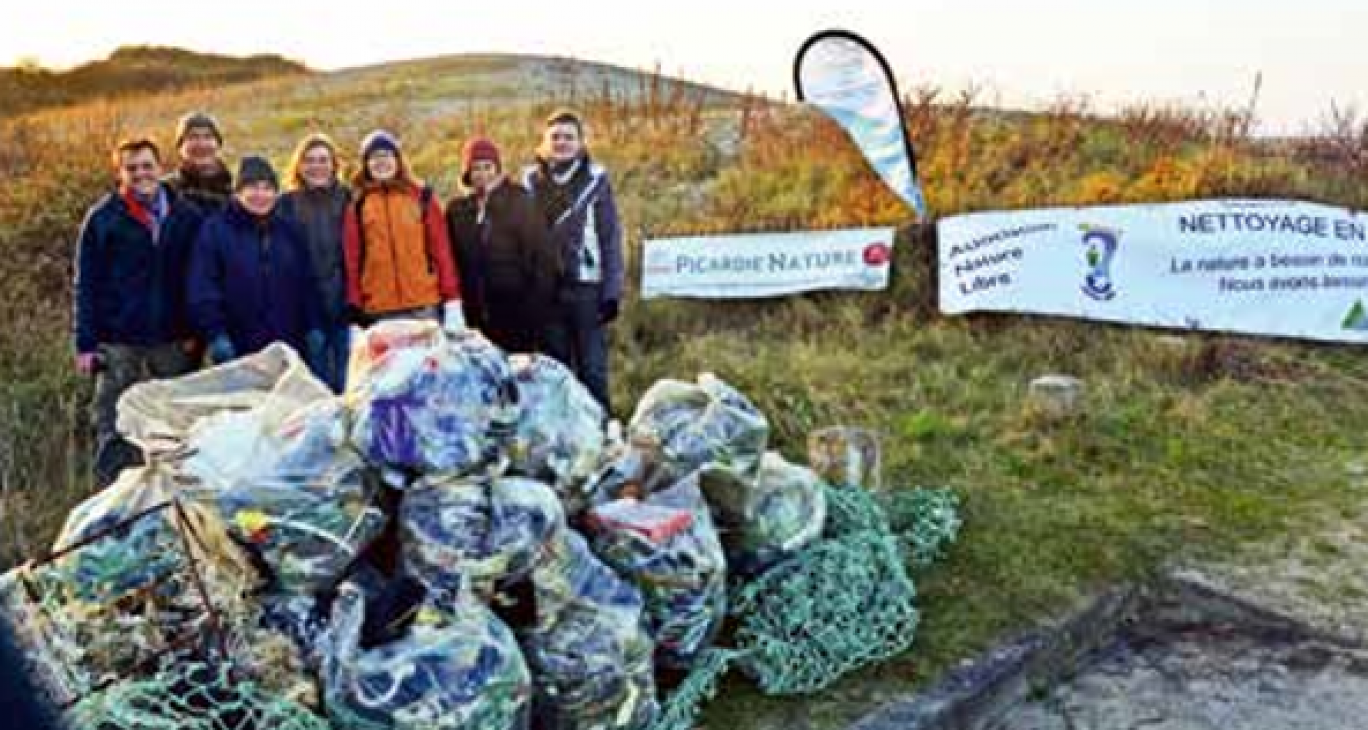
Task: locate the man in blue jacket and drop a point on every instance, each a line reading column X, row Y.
column 252, row 281
column 576, row 202
column 130, row 322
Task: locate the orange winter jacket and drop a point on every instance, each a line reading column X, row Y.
column 398, row 255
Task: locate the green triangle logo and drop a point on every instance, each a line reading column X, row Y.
column 1357, row 318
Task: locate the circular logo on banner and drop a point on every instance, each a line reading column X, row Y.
column 877, row 254
column 658, row 262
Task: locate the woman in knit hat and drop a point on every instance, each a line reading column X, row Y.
column 318, row 200
column 251, row 278
column 398, row 254
column 508, row 268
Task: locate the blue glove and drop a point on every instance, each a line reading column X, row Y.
column 221, row 350
column 314, row 343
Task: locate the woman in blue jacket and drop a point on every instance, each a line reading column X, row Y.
column 252, row 281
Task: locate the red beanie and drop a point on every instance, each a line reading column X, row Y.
column 478, row 148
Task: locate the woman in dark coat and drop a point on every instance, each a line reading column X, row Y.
column 507, row 266
column 318, row 201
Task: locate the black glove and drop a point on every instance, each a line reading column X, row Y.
column 608, row 311
column 357, row 316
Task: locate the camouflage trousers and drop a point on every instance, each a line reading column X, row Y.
column 121, row 367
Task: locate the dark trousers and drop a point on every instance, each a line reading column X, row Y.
column 332, row 365
column 513, row 323
column 577, row 337
column 123, row 366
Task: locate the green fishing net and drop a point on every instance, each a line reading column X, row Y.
column 842, row 603
column 190, row 696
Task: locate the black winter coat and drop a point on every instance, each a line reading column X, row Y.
column 507, row 266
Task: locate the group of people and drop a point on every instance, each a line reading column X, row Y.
column 173, row 270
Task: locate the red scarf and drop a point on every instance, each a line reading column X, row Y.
column 137, row 209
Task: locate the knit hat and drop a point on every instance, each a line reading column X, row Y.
column 197, row 120
column 376, row 141
column 478, row 148
column 255, row 169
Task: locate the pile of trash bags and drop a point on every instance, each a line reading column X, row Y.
column 460, row 540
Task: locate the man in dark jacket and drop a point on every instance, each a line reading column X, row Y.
column 130, row 321
column 251, row 279
column 203, row 176
column 577, row 206
column 318, row 201
column 507, row 266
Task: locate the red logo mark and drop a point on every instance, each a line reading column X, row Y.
column 877, row 254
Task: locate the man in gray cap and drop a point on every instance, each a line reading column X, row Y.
column 202, row 177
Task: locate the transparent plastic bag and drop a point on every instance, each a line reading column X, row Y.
column 293, row 491
column 455, row 667
column 559, row 437
column 765, row 520
column 704, row 424
column 142, row 552
column 446, row 408
column 477, row 532
column 273, row 382
column 135, row 578
column 668, row 547
column 370, row 347
column 628, row 470
column 589, row 653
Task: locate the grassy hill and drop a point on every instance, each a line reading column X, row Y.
column 1191, row 446
column 131, row 71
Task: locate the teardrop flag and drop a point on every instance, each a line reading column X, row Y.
column 846, row 77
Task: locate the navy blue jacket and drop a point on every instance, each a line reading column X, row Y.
column 253, row 280
column 588, row 234
column 130, row 290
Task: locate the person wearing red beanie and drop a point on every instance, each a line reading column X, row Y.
column 507, row 266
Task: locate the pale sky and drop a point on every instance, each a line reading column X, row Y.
column 1199, row 52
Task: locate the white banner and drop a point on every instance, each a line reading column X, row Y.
column 1271, row 267
column 766, row 264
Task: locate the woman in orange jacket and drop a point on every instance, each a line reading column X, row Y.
column 398, row 255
